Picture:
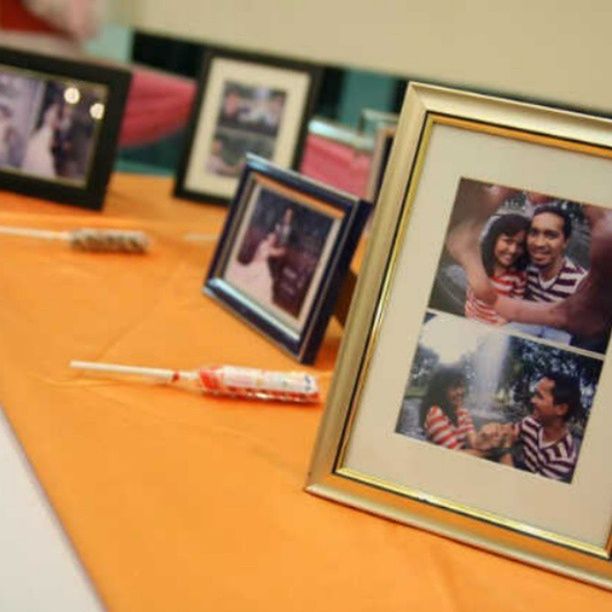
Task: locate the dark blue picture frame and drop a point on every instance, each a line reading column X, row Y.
column 353, row 211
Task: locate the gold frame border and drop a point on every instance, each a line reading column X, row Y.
column 425, row 106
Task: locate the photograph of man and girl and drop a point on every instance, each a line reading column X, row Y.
column 248, row 122
column 280, row 250
column 519, row 402
column 530, row 262
column 47, row 127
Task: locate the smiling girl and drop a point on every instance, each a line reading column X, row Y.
column 504, row 259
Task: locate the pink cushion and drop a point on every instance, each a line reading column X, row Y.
column 335, row 164
column 158, row 105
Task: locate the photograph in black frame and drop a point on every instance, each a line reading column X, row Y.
column 59, row 125
column 284, row 253
column 246, row 103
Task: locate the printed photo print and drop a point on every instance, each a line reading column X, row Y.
column 248, row 122
column 48, row 127
column 281, row 252
column 502, row 398
column 529, row 262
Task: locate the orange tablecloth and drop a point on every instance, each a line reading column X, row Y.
column 181, row 502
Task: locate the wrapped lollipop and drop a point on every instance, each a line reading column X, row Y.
column 249, row 383
column 89, row 239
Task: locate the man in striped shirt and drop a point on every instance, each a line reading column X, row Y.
column 548, row 446
column 551, row 275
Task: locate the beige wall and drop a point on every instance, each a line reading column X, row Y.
column 559, row 50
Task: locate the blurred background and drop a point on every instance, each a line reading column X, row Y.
column 550, row 51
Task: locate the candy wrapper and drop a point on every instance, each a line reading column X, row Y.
column 232, row 381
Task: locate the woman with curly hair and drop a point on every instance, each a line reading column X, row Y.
column 444, row 418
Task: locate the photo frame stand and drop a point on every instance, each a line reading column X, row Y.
column 343, row 302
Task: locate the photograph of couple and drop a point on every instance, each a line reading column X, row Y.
column 530, row 262
column 279, row 252
column 47, row 127
column 248, row 122
column 518, row 402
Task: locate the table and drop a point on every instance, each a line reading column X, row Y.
column 180, row 502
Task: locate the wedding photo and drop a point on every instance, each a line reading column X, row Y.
column 281, row 248
column 525, row 261
column 248, row 122
column 48, row 127
column 499, row 397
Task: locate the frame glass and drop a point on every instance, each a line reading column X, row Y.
column 59, row 123
column 245, row 104
column 444, row 412
column 284, row 253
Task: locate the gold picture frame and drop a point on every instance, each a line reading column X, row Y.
column 446, row 139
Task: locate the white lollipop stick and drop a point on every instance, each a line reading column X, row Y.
column 34, row 233
column 197, row 237
column 88, row 239
column 161, row 374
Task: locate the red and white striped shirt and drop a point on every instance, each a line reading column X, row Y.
column 440, row 430
column 511, row 283
column 558, row 288
column 551, row 459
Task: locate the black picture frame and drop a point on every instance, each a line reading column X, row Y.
column 382, row 151
column 297, row 83
column 44, row 77
column 292, row 306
